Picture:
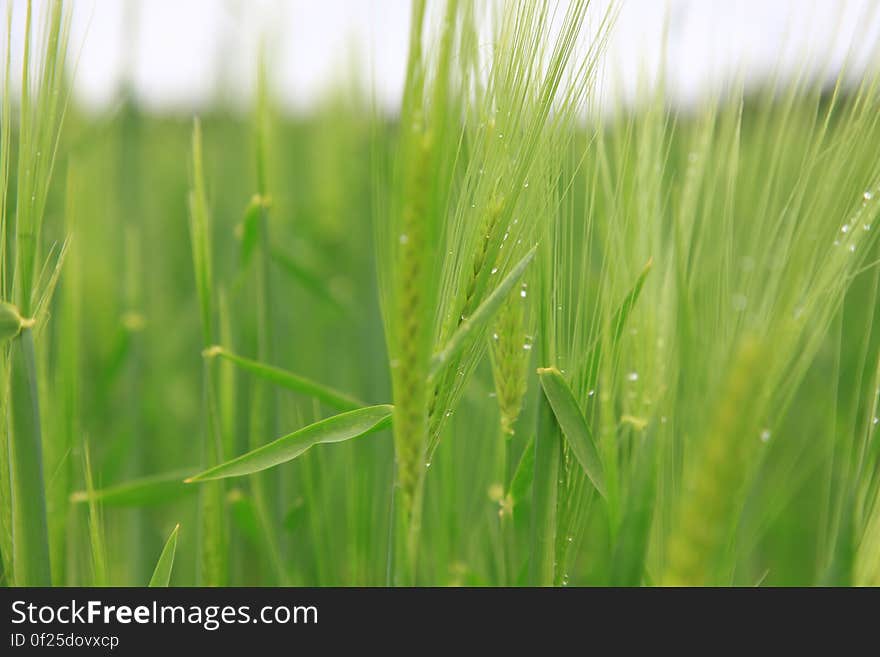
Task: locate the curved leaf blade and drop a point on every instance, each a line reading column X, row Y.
column 308, row 280
column 288, row 380
column 338, row 428
column 145, row 491
column 574, row 427
column 162, row 573
column 618, row 322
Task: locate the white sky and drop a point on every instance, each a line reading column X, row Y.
column 182, row 52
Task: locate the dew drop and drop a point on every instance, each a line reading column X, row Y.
column 875, row 421
column 632, row 376
column 404, row 238
column 852, row 248
column 591, row 393
column 527, row 346
column 494, row 270
column 494, row 336
column 867, row 196
column 765, row 435
column 526, row 184
column 522, row 293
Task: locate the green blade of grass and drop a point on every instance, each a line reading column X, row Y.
column 524, row 474
column 162, row 573
column 623, row 311
column 200, row 235
column 5, row 148
column 840, row 569
column 618, row 323
column 338, row 428
column 249, row 520
column 867, row 566
column 97, row 542
column 212, row 536
column 145, row 491
column 866, row 569
column 545, row 495
column 309, row 281
column 288, row 380
column 250, row 229
column 30, row 535
column 574, row 427
column 481, row 316
column 49, row 281
column 628, row 562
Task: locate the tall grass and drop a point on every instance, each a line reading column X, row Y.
column 497, row 339
column 41, row 107
column 213, row 533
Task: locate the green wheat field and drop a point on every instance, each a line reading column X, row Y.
column 495, row 339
